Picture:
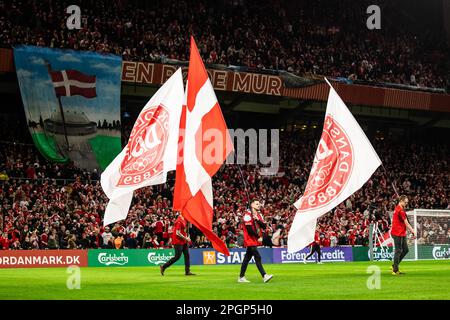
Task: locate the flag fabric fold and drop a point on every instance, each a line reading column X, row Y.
column 205, row 146
column 150, row 153
column 344, row 161
column 385, row 240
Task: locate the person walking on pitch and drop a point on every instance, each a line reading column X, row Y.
column 252, row 225
column 180, row 242
column 398, row 232
column 315, row 248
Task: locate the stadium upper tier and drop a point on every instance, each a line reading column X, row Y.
column 306, row 37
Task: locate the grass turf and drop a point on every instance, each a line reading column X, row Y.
column 423, row 280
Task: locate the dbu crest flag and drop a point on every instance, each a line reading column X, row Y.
column 151, row 151
column 344, row 161
column 72, row 104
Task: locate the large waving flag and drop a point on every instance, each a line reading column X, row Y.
column 344, row 161
column 151, row 150
column 204, row 149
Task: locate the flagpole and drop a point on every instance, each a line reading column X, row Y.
column 63, row 122
column 243, row 180
column 386, row 174
column 49, row 67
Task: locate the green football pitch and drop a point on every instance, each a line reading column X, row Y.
column 422, row 280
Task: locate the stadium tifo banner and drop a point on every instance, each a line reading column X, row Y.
column 130, row 257
column 72, row 103
column 334, row 254
column 42, row 258
column 209, row 256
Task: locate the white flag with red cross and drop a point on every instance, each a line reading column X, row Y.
column 151, row 150
column 344, row 161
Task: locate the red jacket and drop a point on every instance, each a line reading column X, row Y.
column 251, row 238
column 316, row 239
column 180, row 225
column 398, row 222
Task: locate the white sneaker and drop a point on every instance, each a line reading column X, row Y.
column 267, row 277
column 304, row 260
column 243, row 279
column 320, row 262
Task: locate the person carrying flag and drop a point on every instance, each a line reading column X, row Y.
column 253, row 222
column 315, row 248
column 180, row 242
column 398, row 232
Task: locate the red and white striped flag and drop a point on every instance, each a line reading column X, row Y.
column 69, row 83
column 344, row 161
column 385, row 240
column 205, row 147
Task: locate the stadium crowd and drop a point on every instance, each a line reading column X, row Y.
column 302, row 37
column 433, row 229
column 48, row 206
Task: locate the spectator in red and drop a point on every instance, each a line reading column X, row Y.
column 180, row 241
column 159, row 229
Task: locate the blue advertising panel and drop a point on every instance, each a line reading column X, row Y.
column 328, row 254
column 209, row 256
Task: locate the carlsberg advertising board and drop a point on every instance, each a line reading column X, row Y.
column 435, row 252
column 126, row 258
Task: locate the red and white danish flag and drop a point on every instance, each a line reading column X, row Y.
column 205, row 147
column 69, row 83
column 385, row 240
column 344, row 161
column 151, row 150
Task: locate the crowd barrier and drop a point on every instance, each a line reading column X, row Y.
column 205, row 256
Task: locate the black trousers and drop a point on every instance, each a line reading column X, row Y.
column 179, row 249
column 314, row 248
column 401, row 249
column 252, row 252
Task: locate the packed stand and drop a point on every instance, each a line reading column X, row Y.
column 433, row 230
column 304, row 37
column 49, row 206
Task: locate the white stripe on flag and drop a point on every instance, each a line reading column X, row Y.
column 65, row 81
column 197, row 176
column 74, row 83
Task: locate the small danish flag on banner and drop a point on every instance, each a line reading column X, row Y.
column 151, row 150
column 69, row 83
column 344, row 161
